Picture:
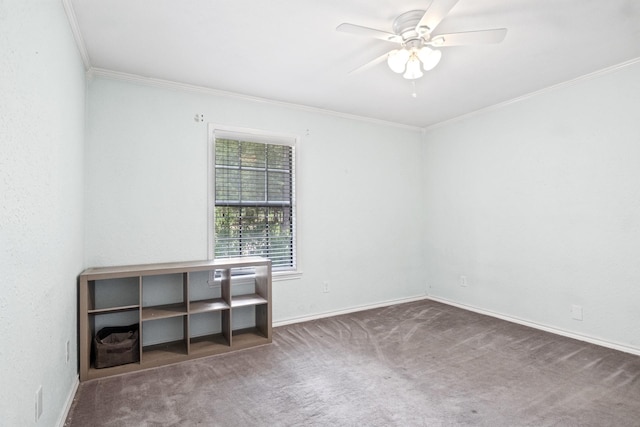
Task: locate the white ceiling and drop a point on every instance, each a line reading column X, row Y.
column 289, row 50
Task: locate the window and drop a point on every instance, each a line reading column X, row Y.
column 254, row 206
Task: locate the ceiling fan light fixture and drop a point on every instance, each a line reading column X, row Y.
column 429, row 57
column 397, row 60
column 418, row 48
column 413, row 69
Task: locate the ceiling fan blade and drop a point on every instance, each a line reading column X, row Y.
column 434, row 14
column 369, row 32
column 370, row 64
column 469, row 38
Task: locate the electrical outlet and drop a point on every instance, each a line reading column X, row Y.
column 325, row 287
column 463, row 281
column 576, row 312
column 38, row 403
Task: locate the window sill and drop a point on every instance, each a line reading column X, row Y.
column 286, row 275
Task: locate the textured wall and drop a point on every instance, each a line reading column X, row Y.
column 357, row 192
column 41, row 222
column 538, row 204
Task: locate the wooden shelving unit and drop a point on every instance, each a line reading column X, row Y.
column 119, row 296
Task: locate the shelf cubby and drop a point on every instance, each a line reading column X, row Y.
column 210, row 329
column 249, row 337
column 110, row 295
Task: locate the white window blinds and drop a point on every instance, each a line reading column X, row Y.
column 254, row 201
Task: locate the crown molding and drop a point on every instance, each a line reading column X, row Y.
column 565, row 84
column 168, row 84
column 77, row 35
column 185, row 87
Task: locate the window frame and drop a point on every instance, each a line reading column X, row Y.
column 259, row 136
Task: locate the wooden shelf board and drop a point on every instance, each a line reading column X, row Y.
column 163, row 311
column 202, row 306
column 249, row 337
column 163, row 352
column 152, row 356
column 209, row 344
column 174, row 352
column 113, row 309
column 114, row 370
column 99, row 273
column 247, row 300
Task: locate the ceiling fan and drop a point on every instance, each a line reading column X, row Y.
column 413, row 32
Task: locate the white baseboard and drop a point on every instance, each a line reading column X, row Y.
column 67, row 406
column 545, row 328
column 561, row 332
column 347, row 310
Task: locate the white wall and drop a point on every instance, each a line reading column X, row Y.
column 358, row 191
column 538, row 204
column 42, row 89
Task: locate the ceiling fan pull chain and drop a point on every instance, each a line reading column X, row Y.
column 415, row 92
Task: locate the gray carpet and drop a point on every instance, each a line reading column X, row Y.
column 416, row 364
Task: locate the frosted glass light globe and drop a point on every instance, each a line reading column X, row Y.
column 397, row 60
column 413, row 69
column 429, row 57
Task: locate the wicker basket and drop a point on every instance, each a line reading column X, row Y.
column 116, row 345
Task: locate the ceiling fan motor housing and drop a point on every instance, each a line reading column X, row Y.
column 405, row 26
